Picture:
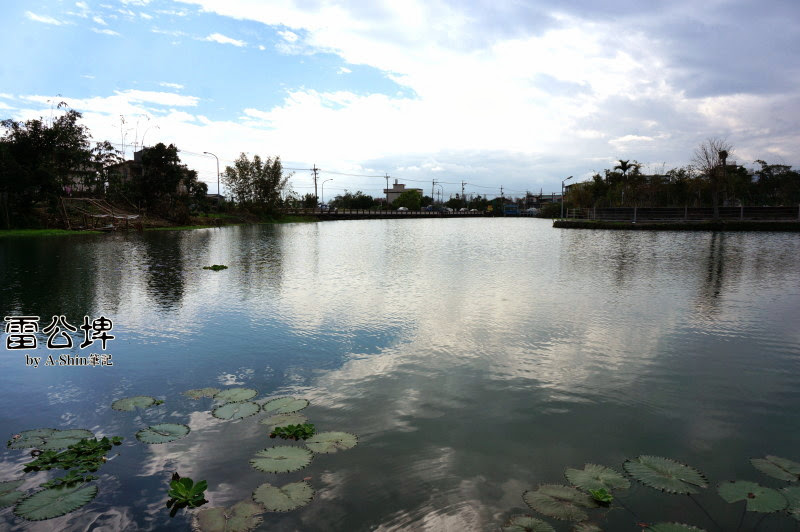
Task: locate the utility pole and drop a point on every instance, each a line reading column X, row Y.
column 462, row 193
column 433, row 187
column 387, row 189
column 205, row 153
column 315, row 170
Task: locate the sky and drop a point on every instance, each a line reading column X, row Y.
column 514, row 94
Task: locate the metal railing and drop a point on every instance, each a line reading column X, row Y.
column 684, row 214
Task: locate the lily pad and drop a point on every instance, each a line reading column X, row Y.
column 586, row 527
column 561, row 502
column 665, row 474
column 759, row 498
column 792, row 494
column 241, row 517
column 674, row 527
column 236, row 395
column 777, row 467
column 8, row 493
column 284, row 405
column 162, row 433
column 331, row 442
column 129, row 404
column 54, row 502
column 285, row 498
column 283, row 420
column 198, row 393
column 526, row 523
column 281, row 459
column 236, row 410
column 593, row 477
column 48, row 439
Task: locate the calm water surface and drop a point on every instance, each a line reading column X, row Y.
column 475, row 359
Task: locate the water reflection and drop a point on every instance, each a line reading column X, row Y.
column 474, row 358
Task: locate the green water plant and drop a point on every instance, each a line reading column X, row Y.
column 602, row 496
column 235, row 395
column 285, row 405
column 294, row 432
column 198, row 393
column 673, row 527
column 162, row 433
column 594, row 476
column 183, row 492
column 129, row 404
column 55, row 502
column 777, row 467
column 665, row 474
column 284, row 498
column 241, row 517
column 48, row 439
column 757, row 497
column 331, row 442
column 230, row 411
column 281, row 459
column 526, row 523
column 85, row 456
column 215, row 267
column 282, row 420
column 561, row 502
column 8, row 492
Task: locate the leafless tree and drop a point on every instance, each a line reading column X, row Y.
column 710, row 159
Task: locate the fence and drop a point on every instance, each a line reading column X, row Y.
column 684, row 214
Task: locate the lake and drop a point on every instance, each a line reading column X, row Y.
column 475, row 359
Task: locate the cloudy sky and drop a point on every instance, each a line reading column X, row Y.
column 518, row 94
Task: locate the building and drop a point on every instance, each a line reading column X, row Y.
column 397, row 189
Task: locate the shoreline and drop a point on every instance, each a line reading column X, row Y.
column 784, row 226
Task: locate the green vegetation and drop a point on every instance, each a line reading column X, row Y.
column 81, row 458
column 184, row 492
column 294, row 432
column 411, row 199
column 10, row 233
column 216, row 267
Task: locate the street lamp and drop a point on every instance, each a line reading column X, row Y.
column 323, row 189
column 145, row 132
column 217, row 158
column 562, row 195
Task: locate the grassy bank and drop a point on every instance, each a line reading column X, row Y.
column 681, row 226
column 10, row 233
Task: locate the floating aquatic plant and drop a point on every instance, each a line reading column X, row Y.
column 183, row 491
column 287, row 497
column 593, row 477
column 586, row 527
column 777, row 467
column 792, row 494
column 284, row 405
column 236, row 410
column 54, row 502
column 561, row 502
column 8, row 493
column 235, row 395
column 48, row 439
column 665, row 474
column 85, row 456
column 526, row 523
column 602, row 496
column 759, row 498
column 162, row 433
column 673, row 527
column 281, row 459
column 198, row 393
column 241, row 517
column 129, row 404
column 331, row 442
column 216, row 267
column 294, row 432
column 282, row 420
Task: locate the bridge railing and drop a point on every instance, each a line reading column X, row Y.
column 682, row 214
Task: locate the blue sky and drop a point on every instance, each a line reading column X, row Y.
column 519, row 94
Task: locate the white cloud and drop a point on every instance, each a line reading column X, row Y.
column 44, row 19
column 5, row 106
column 100, row 21
column 106, row 31
column 145, row 16
column 262, row 47
column 81, row 5
column 222, row 39
column 344, row 70
column 288, row 36
column 171, row 85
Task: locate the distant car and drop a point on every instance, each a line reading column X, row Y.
column 473, row 210
column 327, row 208
column 462, row 209
column 402, row 208
column 532, row 210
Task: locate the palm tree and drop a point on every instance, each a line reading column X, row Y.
column 624, row 166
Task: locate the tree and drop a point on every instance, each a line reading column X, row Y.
column 257, row 183
column 623, row 167
column 38, row 159
column 710, row 159
column 349, row 200
column 411, row 199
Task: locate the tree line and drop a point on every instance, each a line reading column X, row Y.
column 710, row 180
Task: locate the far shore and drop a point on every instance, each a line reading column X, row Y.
column 720, row 225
